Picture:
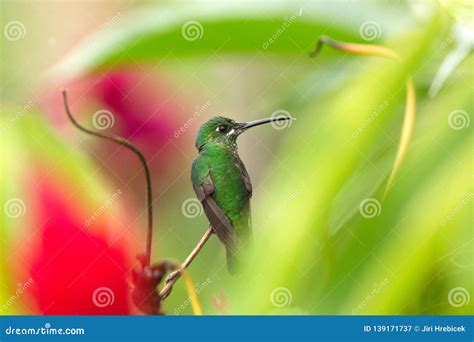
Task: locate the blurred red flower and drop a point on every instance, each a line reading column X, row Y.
column 77, row 270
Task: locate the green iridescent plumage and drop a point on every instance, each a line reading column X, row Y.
column 222, row 183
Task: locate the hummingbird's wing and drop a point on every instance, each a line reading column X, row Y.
column 245, row 177
column 218, row 220
column 246, row 216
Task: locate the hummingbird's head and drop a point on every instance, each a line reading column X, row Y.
column 224, row 131
column 218, row 130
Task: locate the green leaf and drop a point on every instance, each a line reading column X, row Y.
column 160, row 33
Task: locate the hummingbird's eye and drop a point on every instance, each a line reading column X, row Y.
column 222, row 128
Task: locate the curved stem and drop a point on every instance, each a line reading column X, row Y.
column 134, row 149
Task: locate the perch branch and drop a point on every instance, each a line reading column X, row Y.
column 174, row 276
column 134, row 149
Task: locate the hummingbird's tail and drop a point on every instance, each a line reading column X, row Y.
column 236, row 257
column 236, row 260
column 233, row 262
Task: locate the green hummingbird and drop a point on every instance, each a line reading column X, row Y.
column 222, row 183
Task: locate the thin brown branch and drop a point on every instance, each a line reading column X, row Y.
column 134, row 149
column 173, row 277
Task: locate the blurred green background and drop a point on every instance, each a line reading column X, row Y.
column 326, row 239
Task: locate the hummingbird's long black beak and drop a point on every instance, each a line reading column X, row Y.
column 247, row 125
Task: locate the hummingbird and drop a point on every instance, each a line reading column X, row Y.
column 222, row 184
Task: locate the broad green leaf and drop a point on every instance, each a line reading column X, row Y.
column 182, row 31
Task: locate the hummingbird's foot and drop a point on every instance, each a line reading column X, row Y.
column 172, row 276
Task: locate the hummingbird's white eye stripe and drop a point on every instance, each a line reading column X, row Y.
column 231, row 132
column 217, row 129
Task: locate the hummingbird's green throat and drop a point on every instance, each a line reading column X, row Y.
column 222, row 183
